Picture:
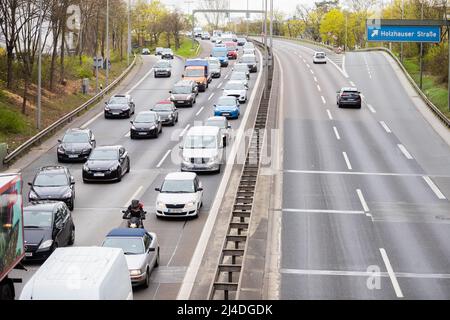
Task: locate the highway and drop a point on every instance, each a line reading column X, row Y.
column 365, row 211
column 98, row 206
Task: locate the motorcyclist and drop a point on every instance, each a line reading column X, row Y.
column 135, row 210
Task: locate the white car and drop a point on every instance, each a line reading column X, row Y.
column 249, row 51
column 239, row 76
column 180, row 195
column 236, row 89
column 242, row 67
column 146, row 51
column 319, row 57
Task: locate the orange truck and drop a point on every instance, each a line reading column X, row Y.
column 198, row 70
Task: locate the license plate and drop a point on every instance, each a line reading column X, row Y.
column 99, row 174
column 180, row 101
column 175, row 210
column 226, row 114
column 116, row 113
column 73, row 156
column 28, row 254
column 142, row 133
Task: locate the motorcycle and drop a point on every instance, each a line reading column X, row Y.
column 135, row 222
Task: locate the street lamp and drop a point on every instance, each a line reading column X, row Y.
column 39, row 93
column 129, row 33
column 107, row 44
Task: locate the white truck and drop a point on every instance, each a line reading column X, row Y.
column 81, row 273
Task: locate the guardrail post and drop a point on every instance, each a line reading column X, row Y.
column 3, row 153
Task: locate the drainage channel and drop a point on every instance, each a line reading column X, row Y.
column 228, row 273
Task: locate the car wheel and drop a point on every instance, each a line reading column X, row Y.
column 177, row 118
column 156, row 76
column 129, row 114
column 157, row 259
column 129, row 167
column 71, row 204
column 72, row 237
column 119, row 174
column 147, row 278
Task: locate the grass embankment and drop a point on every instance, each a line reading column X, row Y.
column 186, row 50
column 16, row 127
column 435, row 91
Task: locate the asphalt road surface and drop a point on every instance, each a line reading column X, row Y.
column 98, row 206
column 365, row 195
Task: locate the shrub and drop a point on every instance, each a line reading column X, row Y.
column 11, row 122
column 436, row 61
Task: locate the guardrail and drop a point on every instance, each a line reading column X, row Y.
column 65, row 119
column 302, row 40
column 427, row 101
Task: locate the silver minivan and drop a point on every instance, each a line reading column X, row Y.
column 202, row 150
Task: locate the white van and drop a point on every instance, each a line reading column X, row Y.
column 81, row 273
column 202, row 149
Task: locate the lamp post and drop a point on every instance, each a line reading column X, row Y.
column 129, row 33
column 107, row 44
column 39, row 90
column 401, row 44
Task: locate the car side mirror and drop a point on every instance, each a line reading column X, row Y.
column 106, row 102
column 182, row 75
column 181, row 147
column 151, row 249
column 72, row 180
column 131, row 122
column 200, row 189
column 59, row 140
column 170, row 91
column 158, row 189
column 229, row 127
column 30, row 184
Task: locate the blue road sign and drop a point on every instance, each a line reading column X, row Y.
column 386, row 33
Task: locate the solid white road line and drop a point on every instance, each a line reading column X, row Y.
column 134, row 196
column 199, row 111
column 371, row 108
column 398, row 290
column 434, row 187
column 140, row 81
column 318, row 88
column 342, row 71
column 184, row 130
column 380, row 174
column 364, row 273
column 336, row 132
column 347, row 161
column 323, row 211
column 362, row 200
column 329, row 114
column 405, row 152
column 304, row 60
column 323, row 100
column 163, row 159
column 211, row 96
column 226, row 76
column 385, row 127
column 84, row 126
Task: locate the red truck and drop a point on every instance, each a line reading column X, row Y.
column 12, row 249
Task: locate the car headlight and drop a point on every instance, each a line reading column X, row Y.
column 113, row 168
column 190, row 204
column 160, row 204
column 126, row 108
column 33, row 195
column 171, row 116
column 153, row 127
column 135, row 272
column 107, row 108
column 46, row 244
column 186, row 159
column 172, row 97
column 61, row 149
column 85, row 167
column 86, row 150
column 67, row 194
column 133, row 127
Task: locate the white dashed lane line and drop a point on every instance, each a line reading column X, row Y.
column 163, row 159
column 336, row 132
column 385, row 127
column 329, row 114
column 199, row 111
column 405, row 152
column 347, row 161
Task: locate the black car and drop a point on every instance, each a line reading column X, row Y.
column 349, row 97
column 47, row 226
column 53, row 183
column 251, row 61
column 163, row 68
column 184, row 93
column 146, row 124
column 106, row 164
column 120, row 105
column 76, row 144
column 167, row 54
column 241, row 41
column 167, row 112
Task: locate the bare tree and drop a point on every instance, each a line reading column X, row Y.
column 214, row 19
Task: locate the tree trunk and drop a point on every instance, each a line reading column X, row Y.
column 25, row 94
column 62, row 54
column 9, row 73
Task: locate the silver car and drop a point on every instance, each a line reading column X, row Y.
column 222, row 123
column 141, row 249
column 239, row 76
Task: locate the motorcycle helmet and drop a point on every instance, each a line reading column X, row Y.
column 135, row 204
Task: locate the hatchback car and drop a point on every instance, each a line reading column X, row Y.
column 47, row 226
column 242, row 67
column 167, row 112
column 232, row 50
column 120, row 105
column 348, row 97
column 248, row 45
column 249, row 51
column 146, row 124
column 77, row 144
column 251, row 61
column 319, row 57
column 141, row 249
column 180, row 195
column 222, row 123
column 227, row 106
column 241, row 41
column 184, row 93
column 53, row 183
column 106, row 164
column 158, row 51
column 146, row 51
column 167, row 53
column 214, row 67
column 163, row 68
column 239, row 76
column 236, row 89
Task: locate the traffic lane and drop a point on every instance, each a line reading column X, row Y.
column 396, row 107
column 414, row 288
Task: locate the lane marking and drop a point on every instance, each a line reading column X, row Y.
column 336, row 132
column 371, row 108
column 199, row 111
column 304, row 60
column 128, row 134
column 398, row 290
column 329, row 114
column 347, row 161
column 343, row 72
column 211, row 96
column 324, row 211
column 226, row 76
column 84, row 126
column 364, row 273
column 312, row 72
column 434, row 187
column 219, row 85
column 134, row 196
column 315, row 79
column 323, row 100
column 352, row 84
column 388, row 174
column 163, row 159
column 362, row 200
column 405, row 152
column 385, row 127
column 184, row 130
column 308, row 65
column 140, row 81
column 318, row 88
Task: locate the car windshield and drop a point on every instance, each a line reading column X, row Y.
column 181, row 90
column 104, row 154
column 118, row 100
column 74, row 137
column 248, row 59
column 162, row 107
column 241, row 40
column 145, row 118
column 227, row 101
column 167, row 51
column 238, row 76
column 159, row 49
column 214, row 63
column 249, row 45
column 200, row 142
column 128, row 245
column 178, row 186
column 320, row 55
column 49, row 179
column 219, row 53
column 241, row 67
column 216, row 123
column 162, row 64
column 37, row 219
column 234, row 86
column 195, row 73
